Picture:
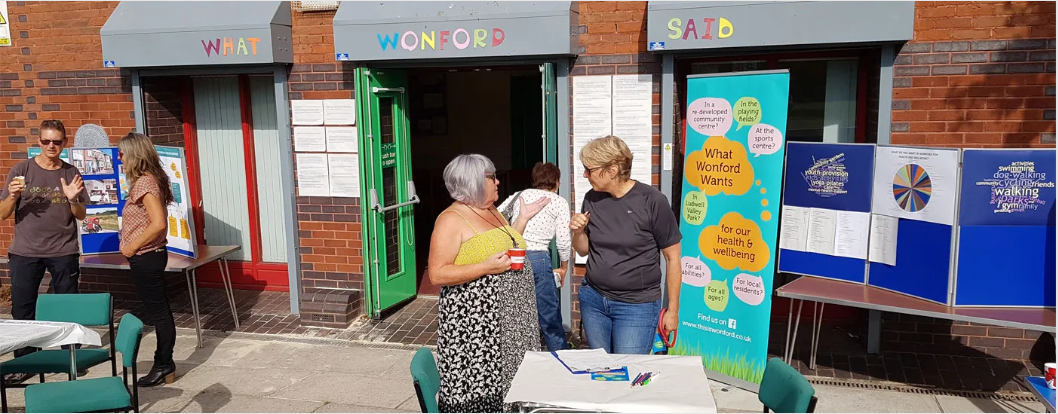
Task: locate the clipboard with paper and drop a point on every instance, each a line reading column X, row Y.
column 586, row 361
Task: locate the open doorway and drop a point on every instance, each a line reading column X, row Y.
column 495, row 111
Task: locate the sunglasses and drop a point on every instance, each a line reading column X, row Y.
column 46, row 142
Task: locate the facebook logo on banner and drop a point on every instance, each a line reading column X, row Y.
column 341, row 56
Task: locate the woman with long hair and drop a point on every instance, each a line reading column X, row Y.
column 144, row 224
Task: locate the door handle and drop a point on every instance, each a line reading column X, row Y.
column 376, row 89
column 413, row 199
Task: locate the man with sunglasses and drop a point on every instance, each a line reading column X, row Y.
column 47, row 197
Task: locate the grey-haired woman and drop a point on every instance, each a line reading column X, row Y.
column 486, row 314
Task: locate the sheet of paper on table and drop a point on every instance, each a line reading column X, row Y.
column 586, row 360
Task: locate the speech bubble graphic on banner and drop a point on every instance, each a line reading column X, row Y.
column 735, row 242
column 764, row 139
column 716, row 294
column 749, row 288
column 747, row 111
column 695, row 273
column 694, row 207
column 721, row 166
column 709, row 116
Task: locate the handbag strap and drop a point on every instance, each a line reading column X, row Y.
column 510, row 206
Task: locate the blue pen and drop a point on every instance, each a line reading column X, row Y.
column 646, row 379
column 638, row 377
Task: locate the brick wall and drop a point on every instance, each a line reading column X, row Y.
column 165, row 120
column 977, row 74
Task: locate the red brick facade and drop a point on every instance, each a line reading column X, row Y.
column 976, row 74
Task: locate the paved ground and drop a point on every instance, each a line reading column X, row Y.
column 256, row 373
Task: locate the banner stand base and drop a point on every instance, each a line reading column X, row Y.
column 732, row 381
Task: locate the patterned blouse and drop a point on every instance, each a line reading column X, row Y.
column 135, row 219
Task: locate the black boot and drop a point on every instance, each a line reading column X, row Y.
column 158, row 374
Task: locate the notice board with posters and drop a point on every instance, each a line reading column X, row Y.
column 731, row 187
column 180, row 235
column 1006, row 254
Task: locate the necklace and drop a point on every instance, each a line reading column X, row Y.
column 501, row 226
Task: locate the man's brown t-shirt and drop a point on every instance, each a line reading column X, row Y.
column 44, row 224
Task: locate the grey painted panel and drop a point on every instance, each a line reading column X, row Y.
column 267, row 150
column 144, row 34
column 220, row 155
column 757, row 24
column 438, row 30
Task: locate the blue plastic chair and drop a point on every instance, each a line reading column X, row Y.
column 784, row 390
column 426, row 379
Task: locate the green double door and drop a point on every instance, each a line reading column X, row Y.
column 388, row 194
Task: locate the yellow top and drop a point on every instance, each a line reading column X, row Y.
column 479, row 248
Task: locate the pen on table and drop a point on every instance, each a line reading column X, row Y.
column 636, row 379
column 646, row 378
column 652, row 377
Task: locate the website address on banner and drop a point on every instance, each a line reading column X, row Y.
column 723, row 332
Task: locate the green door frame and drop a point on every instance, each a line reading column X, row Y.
column 387, row 219
column 377, row 297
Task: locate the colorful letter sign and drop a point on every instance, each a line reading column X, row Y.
column 732, row 182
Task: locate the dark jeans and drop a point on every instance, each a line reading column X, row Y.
column 148, row 271
column 615, row 326
column 26, row 275
column 547, row 310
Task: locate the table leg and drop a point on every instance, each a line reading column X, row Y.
column 225, row 273
column 793, row 342
column 192, row 291
column 73, row 361
column 789, row 324
column 816, row 329
column 874, row 331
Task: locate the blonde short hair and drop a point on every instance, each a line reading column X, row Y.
column 608, row 151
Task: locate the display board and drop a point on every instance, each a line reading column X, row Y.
column 730, row 213
column 826, row 210
column 100, row 231
column 1006, row 254
column 180, row 236
column 918, row 190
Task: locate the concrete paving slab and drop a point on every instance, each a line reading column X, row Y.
column 217, row 400
column 345, row 408
column 350, row 389
column 218, row 351
column 734, row 399
column 950, row 404
column 349, row 359
column 412, row 405
column 252, row 382
column 847, row 400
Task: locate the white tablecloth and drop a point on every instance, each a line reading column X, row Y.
column 18, row 334
column 682, row 386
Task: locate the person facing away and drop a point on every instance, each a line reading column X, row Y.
column 47, row 197
column 143, row 232
column 486, row 314
column 552, row 223
column 624, row 228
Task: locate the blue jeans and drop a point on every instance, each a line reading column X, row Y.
column 617, row 327
column 547, row 311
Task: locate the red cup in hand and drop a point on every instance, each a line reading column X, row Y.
column 517, row 258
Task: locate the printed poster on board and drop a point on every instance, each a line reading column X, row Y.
column 916, row 183
column 1007, row 188
column 730, row 213
column 180, row 235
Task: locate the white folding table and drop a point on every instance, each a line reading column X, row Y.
column 43, row 334
column 543, row 383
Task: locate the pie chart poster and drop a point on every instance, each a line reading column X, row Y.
column 732, row 182
column 920, row 187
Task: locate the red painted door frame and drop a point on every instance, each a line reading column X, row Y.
column 253, row 274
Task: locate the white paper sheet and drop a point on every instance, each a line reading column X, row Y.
column 313, row 175
column 822, row 223
column 310, row 139
column 666, row 157
column 339, row 112
column 631, row 102
column 592, row 360
column 882, row 246
column 341, row 139
column 306, row 112
column 916, row 183
column 344, row 175
column 592, row 118
column 794, row 233
column 850, row 236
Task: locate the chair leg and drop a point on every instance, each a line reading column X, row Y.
column 3, row 396
column 41, row 377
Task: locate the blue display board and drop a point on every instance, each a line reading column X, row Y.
column 1007, row 229
column 830, row 176
column 920, row 188
column 731, row 203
